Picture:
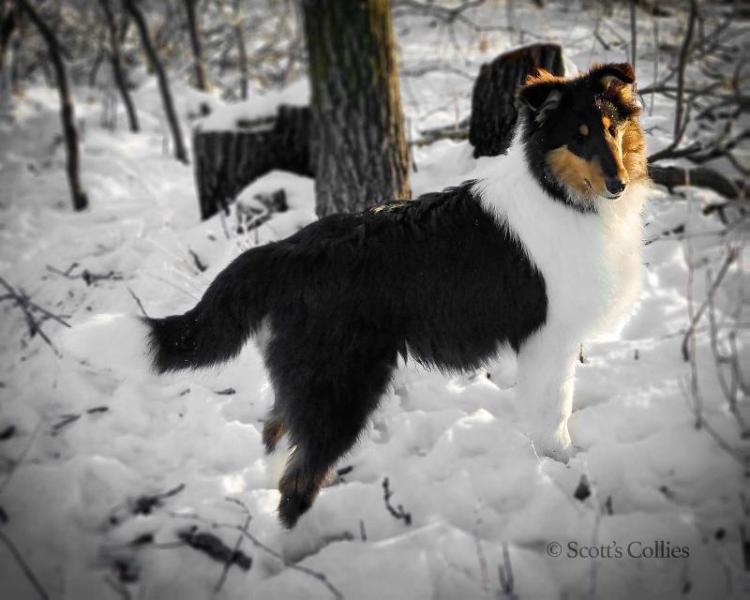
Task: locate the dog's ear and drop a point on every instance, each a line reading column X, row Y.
column 617, row 82
column 542, row 93
column 613, row 74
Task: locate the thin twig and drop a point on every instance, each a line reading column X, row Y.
column 27, row 306
column 139, row 303
column 398, row 512
column 505, row 573
column 484, row 579
column 22, row 456
column 24, row 566
column 230, row 561
column 729, row 390
column 86, row 276
column 680, row 122
column 730, row 258
column 258, row 544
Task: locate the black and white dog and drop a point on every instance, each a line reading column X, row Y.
column 541, row 250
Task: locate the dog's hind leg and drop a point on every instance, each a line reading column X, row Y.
column 325, row 415
column 299, row 485
column 273, row 430
column 319, row 440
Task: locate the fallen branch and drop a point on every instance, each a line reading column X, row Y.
column 18, row 557
column 87, row 276
column 701, row 176
column 398, row 512
column 232, row 559
column 505, row 574
column 139, row 303
column 199, row 264
column 28, row 308
column 64, row 422
column 69, row 418
column 143, row 505
column 7, row 433
column 215, row 548
column 258, row 544
column 458, row 132
column 15, row 464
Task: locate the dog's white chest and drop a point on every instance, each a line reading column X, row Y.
column 590, row 262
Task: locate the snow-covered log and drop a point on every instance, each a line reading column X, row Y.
column 226, row 161
column 493, row 101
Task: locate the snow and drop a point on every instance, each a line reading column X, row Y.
column 226, row 118
column 96, row 430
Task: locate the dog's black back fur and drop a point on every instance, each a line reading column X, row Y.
column 437, row 278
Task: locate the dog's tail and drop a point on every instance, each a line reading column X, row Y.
column 217, row 328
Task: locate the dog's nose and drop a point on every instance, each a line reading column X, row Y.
column 615, row 186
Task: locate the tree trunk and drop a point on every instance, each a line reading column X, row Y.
column 8, row 27
column 227, row 161
column 80, row 201
column 633, row 33
column 493, row 101
column 360, row 156
column 117, row 69
column 201, row 81
column 98, row 59
column 180, row 152
column 239, row 36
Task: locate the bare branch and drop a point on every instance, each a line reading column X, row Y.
column 28, row 307
column 730, row 258
column 18, row 557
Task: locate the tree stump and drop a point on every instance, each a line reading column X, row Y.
column 227, row 161
column 493, row 101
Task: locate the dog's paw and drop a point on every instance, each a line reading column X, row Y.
column 557, row 446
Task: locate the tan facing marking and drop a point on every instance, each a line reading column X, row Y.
column 541, row 76
column 581, row 176
column 634, row 152
column 273, row 430
column 624, row 92
column 583, row 129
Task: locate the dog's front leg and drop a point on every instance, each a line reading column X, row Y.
column 546, row 368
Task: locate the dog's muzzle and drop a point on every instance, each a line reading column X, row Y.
column 615, row 187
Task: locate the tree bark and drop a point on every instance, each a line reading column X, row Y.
column 180, row 152
column 239, row 36
column 117, row 69
column 8, row 27
column 633, row 32
column 493, row 100
column 199, row 65
column 360, row 156
column 227, row 161
column 67, row 113
column 98, row 59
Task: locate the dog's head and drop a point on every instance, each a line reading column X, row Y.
column 583, row 133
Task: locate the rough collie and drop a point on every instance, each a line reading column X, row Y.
column 538, row 252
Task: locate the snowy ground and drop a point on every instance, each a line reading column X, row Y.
column 105, row 467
